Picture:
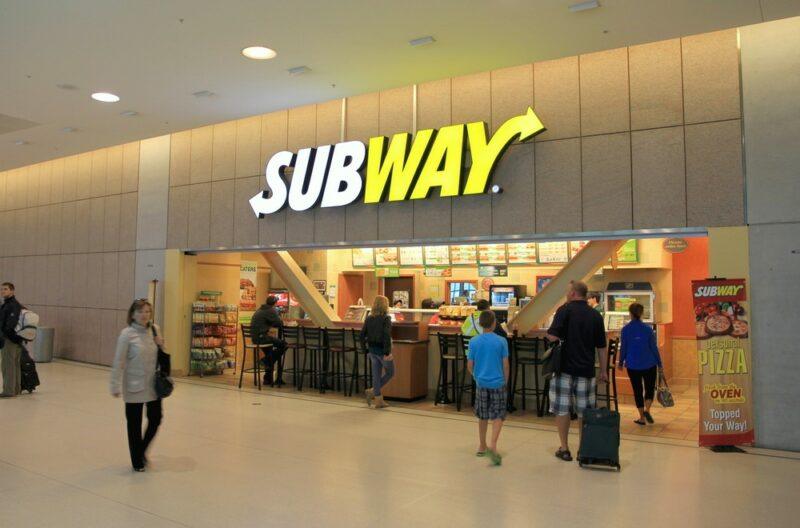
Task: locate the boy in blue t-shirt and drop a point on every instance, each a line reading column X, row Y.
column 488, row 364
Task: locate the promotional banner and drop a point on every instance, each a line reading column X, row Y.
column 724, row 362
column 248, row 270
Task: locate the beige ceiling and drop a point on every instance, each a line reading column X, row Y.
column 155, row 54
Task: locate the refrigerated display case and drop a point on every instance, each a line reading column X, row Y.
column 620, row 295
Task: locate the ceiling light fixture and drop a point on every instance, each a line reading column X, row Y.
column 105, row 97
column 203, row 93
column 584, row 6
column 259, row 53
column 299, row 70
column 421, row 41
column 129, row 113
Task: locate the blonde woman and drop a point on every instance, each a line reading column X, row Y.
column 133, row 377
column 376, row 334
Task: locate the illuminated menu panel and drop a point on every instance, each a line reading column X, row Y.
column 492, row 254
column 363, row 257
column 575, row 246
column 437, row 255
column 524, row 253
column 465, row 255
column 411, row 256
column 386, row 256
column 553, row 252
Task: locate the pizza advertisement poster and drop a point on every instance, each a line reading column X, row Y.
column 411, row 256
column 437, row 255
column 464, row 255
column 492, row 254
column 363, row 258
column 386, row 256
column 724, row 360
column 522, row 253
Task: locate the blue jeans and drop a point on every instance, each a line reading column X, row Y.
column 379, row 364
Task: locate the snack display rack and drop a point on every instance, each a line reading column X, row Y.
column 214, row 334
column 454, row 315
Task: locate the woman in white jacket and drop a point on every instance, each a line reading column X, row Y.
column 133, row 377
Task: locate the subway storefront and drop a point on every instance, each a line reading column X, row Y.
column 627, row 168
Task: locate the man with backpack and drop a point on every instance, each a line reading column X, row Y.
column 10, row 343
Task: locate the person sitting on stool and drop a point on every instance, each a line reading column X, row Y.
column 264, row 320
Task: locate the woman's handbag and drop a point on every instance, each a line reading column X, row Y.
column 663, row 394
column 163, row 383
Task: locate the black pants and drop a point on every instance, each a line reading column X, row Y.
column 272, row 355
column 136, row 443
column 639, row 378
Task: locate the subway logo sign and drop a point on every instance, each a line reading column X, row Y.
column 403, row 168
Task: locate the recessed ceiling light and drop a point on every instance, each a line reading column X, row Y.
column 129, row 113
column 259, row 53
column 203, row 93
column 65, row 86
column 583, row 6
column 422, row 41
column 20, row 142
column 69, row 129
column 299, row 70
column 105, row 97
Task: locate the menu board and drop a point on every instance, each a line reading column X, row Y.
column 411, row 256
column 386, row 256
column 492, row 254
column 464, row 255
column 437, row 256
column 522, row 253
column 553, row 252
column 363, row 258
column 575, row 246
column 629, row 252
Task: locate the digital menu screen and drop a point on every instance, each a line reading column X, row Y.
column 553, row 252
column 524, row 253
column 386, row 256
column 464, row 255
column 492, row 254
column 411, row 256
column 437, row 255
column 363, row 258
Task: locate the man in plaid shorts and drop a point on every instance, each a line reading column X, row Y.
column 583, row 332
column 488, row 364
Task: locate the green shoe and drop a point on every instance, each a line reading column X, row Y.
column 496, row 458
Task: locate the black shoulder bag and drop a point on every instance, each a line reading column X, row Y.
column 551, row 360
column 163, row 383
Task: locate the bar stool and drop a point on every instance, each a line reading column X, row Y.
column 448, row 360
column 247, row 344
column 360, row 358
column 463, row 386
column 291, row 335
column 527, row 352
column 337, row 347
column 610, row 393
column 314, row 349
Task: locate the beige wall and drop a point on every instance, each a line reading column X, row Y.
column 639, row 137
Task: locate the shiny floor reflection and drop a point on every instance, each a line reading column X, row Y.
column 236, row 458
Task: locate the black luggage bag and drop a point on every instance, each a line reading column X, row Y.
column 30, row 379
column 600, row 438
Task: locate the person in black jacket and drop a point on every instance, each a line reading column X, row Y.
column 265, row 319
column 376, row 335
column 10, row 343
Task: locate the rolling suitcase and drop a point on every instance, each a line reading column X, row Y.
column 600, row 438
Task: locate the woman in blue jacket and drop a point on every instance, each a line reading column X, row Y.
column 639, row 353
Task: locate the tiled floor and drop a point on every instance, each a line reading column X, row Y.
column 679, row 422
column 230, row 458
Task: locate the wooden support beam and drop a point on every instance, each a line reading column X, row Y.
column 588, row 260
column 301, row 287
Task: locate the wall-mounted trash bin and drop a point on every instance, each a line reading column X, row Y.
column 42, row 347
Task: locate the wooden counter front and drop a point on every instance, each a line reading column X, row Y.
column 410, row 380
